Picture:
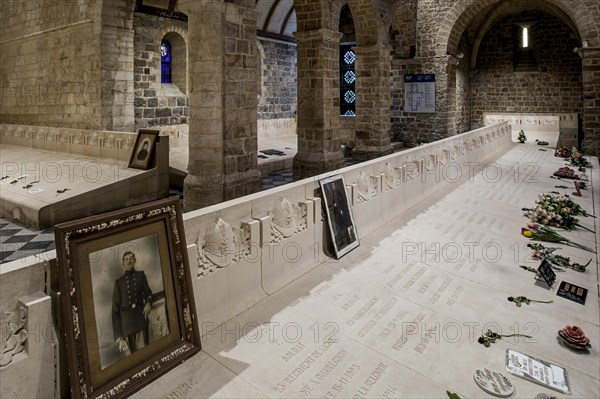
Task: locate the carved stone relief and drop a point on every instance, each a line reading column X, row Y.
column 392, row 176
column 454, row 152
column 129, row 143
column 413, row 169
column 430, row 162
column 366, row 187
column 109, row 142
column 221, row 245
column 14, row 334
column 287, row 219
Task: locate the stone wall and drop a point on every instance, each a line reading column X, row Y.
column 414, row 128
column 49, row 65
column 158, row 104
column 278, row 95
column 555, row 85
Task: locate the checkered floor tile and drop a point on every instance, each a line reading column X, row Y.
column 17, row 242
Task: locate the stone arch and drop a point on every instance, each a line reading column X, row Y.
column 508, row 7
column 309, row 15
column 462, row 13
column 178, row 38
column 366, row 22
column 262, row 99
column 403, row 37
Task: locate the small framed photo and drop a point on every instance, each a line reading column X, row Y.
column 339, row 215
column 143, row 150
column 126, row 298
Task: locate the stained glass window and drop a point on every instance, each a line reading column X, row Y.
column 347, row 80
column 165, row 62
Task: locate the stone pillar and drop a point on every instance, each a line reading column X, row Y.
column 116, row 47
column 223, row 69
column 591, row 99
column 319, row 145
column 373, row 102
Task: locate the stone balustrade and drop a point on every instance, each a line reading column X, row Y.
column 243, row 250
column 95, row 143
column 564, row 126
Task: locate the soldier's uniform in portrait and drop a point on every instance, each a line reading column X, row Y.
column 130, row 295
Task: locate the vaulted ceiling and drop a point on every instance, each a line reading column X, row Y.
column 276, row 16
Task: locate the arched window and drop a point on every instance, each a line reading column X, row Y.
column 347, row 64
column 347, row 80
column 165, row 62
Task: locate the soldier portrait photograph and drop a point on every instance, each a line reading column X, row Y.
column 129, row 298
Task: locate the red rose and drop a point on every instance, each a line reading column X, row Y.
column 575, row 335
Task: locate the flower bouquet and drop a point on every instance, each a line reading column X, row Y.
column 522, row 138
column 556, row 210
column 579, row 160
column 541, row 252
column 566, row 173
column 563, row 152
column 539, row 232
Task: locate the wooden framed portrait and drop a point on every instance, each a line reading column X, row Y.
column 143, row 149
column 339, row 215
column 126, row 298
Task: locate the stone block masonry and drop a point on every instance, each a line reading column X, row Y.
column 278, row 92
column 157, row 104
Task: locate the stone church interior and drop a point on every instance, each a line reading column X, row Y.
column 299, row 198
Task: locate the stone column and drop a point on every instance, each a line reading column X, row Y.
column 116, row 50
column 223, row 70
column 373, row 102
column 591, row 99
column 319, row 145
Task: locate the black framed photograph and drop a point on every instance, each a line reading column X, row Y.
column 143, row 149
column 126, row 298
column 339, row 215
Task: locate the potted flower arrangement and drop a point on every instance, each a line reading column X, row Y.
column 522, row 138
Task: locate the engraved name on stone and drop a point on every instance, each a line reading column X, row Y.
column 289, row 355
column 414, row 279
column 317, row 293
column 425, row 286
column 328, row 368
column 362, row 311
column 304, row 366
column 182, row 390
column 399, row 344
column 438, row 293
column 342, row 382
column 378, row 316
column 393, row 323
column 365, row 388
column 400, row 275
column 348, row 304
column 455, row 295
column 426, row 336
